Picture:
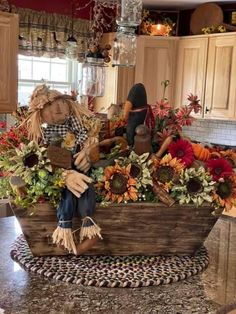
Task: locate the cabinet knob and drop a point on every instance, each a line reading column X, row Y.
column 207, row 110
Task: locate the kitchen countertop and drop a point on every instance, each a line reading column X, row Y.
column 208, row 292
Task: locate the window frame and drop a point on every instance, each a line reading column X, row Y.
column 72, row 82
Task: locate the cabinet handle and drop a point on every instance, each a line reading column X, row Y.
column 207, row 110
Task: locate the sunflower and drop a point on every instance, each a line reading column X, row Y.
column 195, row 185
column 182, row 150
column 230, row 156
column 166, row 170
column 119, row 185
column 225, row 194
column 219, row 168
column 31, row 165
column 29, row 160
column 140, row 167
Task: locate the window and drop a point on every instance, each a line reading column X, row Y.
column 60, row 74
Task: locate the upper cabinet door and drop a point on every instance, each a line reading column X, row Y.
column 8, row 62
column 220, row 94
column 191, row 70
column 156, row 59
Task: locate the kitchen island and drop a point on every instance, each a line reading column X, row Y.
column 208, row 292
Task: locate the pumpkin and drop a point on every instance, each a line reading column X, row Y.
column 200, row 152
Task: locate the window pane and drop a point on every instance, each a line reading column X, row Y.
column 59, row 72
column 41, row 71
column 22, row 57
column 24, row 92
column 41, row 59
column 33, row 69
column 58, row 60
column 24, row 70
column 65, row 89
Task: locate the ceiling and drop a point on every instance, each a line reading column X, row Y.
column 178, row 4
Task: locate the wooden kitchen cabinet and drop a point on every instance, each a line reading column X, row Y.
column 191, row 70
column 220, row 94
column 118, row 82
column 8, row 61
column 156, row 62
column 206, row 66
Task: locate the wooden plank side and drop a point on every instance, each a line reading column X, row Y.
column 127, row 229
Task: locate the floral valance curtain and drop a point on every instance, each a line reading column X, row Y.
column 44, row 34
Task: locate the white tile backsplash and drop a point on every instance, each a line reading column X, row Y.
column 219, row 132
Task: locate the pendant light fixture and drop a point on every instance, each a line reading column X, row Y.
column 71, row 43
column 128, row 18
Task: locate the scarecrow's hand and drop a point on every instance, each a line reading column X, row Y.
column 82, row 161
column 76, row 182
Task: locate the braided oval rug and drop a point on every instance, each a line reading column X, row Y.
column 111, row 271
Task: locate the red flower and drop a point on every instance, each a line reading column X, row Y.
column 161, row 109
column 194, row 103
column 2, row 124
column 219, row 168
column 41, row 200
column 173, row 125
column 161, row 136
column 183, row 116
column 182, row 150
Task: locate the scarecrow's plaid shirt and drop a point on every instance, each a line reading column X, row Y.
column 72, row 124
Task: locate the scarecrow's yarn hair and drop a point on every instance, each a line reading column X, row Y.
column 42, row 96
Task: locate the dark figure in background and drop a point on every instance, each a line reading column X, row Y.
column 135, row 110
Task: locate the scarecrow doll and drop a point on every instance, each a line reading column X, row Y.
column 54, row 116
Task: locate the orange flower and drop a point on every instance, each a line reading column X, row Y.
column 114, row 124
column 119, row 185
column 230, row 156
column 166, row 170
column 225, row 194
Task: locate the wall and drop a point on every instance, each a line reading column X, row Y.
column 213, row 131
column 54, row 6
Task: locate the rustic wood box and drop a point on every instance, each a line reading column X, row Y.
column 127, row 229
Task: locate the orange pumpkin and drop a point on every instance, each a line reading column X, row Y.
column 200, row 152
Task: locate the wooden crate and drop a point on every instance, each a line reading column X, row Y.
column 127, row 229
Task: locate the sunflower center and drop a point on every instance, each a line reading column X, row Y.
column 218, row 170
column 118, row 184
column 224, row 189
column 164, row 174
column 135, row 171
column 31, row 160
column 180, row 153
column 194, row 185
